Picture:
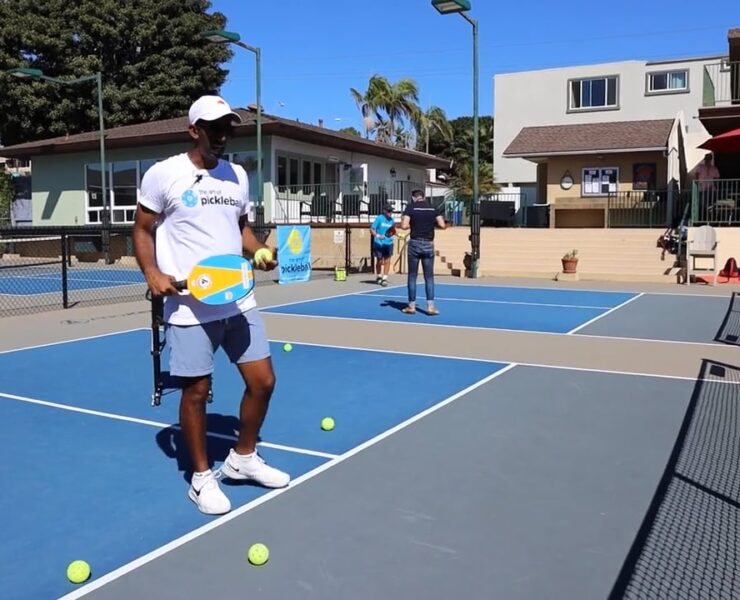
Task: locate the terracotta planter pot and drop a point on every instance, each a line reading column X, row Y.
column 569, row 265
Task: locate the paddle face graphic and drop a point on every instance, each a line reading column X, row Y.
column 219, row 279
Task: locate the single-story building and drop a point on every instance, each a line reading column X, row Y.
column 309, row 172
column 580, row 166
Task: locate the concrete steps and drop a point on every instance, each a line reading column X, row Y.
column 604, row 254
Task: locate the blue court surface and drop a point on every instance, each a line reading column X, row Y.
column 492, row 307
column 649, row 316
column 41, row 282
column 98, row 474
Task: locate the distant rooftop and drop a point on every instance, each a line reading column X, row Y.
column 590, row 137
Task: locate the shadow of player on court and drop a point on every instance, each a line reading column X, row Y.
column 399, row 306
column 222, row 434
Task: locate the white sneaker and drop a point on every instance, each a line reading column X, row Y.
column 253, row 468
column 209, row 498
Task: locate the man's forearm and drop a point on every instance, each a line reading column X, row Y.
column 250, row 243
column 144, row 250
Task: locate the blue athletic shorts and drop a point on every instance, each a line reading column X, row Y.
column 382, row 250
column 192, row 347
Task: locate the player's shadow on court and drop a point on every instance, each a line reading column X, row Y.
column 399, row 306
column 222, row 435
column 693, row 521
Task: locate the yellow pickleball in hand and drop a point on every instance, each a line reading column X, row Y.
column 262, row 257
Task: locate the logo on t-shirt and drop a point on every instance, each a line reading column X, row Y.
column 189, row 198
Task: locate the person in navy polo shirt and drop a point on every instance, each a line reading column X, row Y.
column 422, row 218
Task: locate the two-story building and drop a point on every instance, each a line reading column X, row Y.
column 572, row 137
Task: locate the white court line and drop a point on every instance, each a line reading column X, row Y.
column 154, row 554
column 297, row 345
column 157, row 424
column 601, row 316
column 477, row 328
column 344, row 295
column 555, row 289
column 72, row 340
column 500, row 302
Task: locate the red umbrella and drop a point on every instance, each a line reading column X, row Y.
column 724, row 142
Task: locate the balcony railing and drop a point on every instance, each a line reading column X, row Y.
column 721, row 84
column 339, row 203
column 645, row 208
column 715, row 202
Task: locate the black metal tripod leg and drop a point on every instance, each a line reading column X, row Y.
column 156, row 349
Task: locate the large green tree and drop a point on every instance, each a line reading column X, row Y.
column 153, row 62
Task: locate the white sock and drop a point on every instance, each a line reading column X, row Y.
column 245, row 456
column 199, row 478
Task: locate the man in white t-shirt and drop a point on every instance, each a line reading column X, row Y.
column 197, row 205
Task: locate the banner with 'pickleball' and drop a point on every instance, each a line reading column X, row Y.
column 294, row 253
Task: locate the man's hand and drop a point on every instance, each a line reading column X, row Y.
column 160, row 284
column 268, row 265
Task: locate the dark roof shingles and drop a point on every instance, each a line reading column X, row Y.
column 585, row 137
column 179, row 125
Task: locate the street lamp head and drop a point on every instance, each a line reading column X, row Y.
column 219, row 36
column 25, row 73
column 446, row 7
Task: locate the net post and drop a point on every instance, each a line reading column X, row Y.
column 65, row 256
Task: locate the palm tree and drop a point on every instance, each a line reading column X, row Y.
column 434, row 119
column 462, row 182
column 392, row 103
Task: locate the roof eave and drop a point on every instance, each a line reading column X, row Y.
column 581, row 152
column 352, row 144
column 328, row 137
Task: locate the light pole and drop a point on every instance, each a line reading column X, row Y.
column 27, row 73
column 446, row 7
column 219, row 36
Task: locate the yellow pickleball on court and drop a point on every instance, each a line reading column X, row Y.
column 258, row 554
column 78, row 571
column 327, row 423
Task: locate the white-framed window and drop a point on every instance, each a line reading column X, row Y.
column 593, row 93
column 122, row 180
column 667, row 82
column 300, row 173
column 599, row 181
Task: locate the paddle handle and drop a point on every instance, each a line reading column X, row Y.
column 180, row 286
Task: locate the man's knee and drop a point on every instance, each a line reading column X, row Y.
column 261, row 383
column 195, row 390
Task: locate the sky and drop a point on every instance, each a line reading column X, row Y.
column 314, row 52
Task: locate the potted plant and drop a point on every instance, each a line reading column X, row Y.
column 570, row 261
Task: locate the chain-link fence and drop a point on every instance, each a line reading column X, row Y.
column 48, row 268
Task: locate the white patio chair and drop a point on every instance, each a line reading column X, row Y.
column 702, row 246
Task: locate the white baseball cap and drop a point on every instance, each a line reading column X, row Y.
column 210, row 108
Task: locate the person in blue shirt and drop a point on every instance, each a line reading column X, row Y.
column 383, row 243
column 422, row 219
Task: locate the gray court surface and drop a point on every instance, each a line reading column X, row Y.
column 531, row 486
column 663, row 317
column 602, row 468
